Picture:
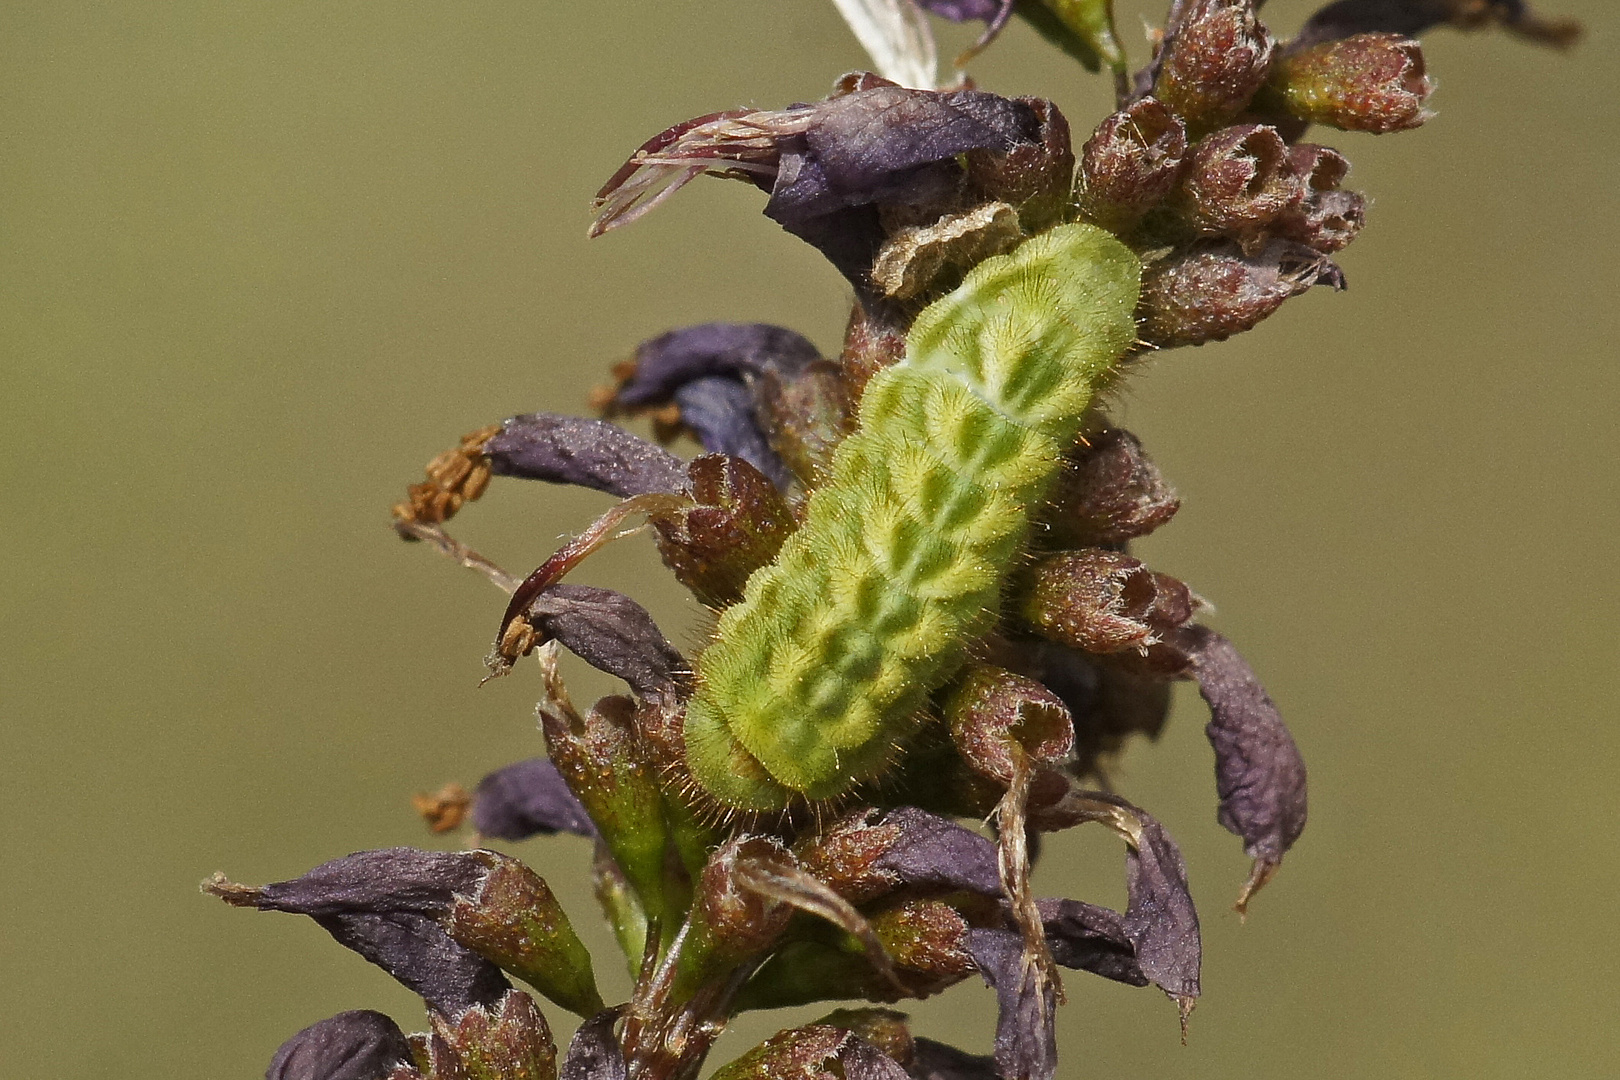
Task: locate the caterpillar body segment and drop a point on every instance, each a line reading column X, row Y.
column 823, row 668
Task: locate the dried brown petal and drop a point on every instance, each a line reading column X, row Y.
column 1211, row 291
column 1131, row 164
column 1326, row 219
column 918, row 260
column 357, row 1045
column 1104, row 601
column 1108, row 492
column 509, row 1041
column 1369, row 82
column 1213, row 62
column 527, row 799
column 589, row 453
column 454, row 477
column 444, row 810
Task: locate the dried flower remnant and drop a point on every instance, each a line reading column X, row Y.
column 356, row 1045
column 983, row 268
column 528, row 798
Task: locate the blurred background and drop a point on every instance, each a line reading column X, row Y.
column 260, row 262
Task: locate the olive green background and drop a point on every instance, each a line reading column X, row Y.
column 260, row 261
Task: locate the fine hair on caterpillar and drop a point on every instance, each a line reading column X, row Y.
column 822, row 670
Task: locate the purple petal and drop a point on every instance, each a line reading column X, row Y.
column 609, row 631
column 932, row 850
column 399, row 879
column 422, row 956
column 932, row 1060
column 594, row 1054
column 356, row 1045
column 1259, row 773
column 1026, row 1039
column 720, row 411
column 529, row 798
column 589, row 453
column 1090, row 938
column 964, row 10
column 741, row 350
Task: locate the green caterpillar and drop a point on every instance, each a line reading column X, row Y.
column 826, row 664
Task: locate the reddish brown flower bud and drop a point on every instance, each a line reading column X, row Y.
column 1238, row 181
column 1103, row 601
column 927, row 937
column 508, row 1042
column 1033, row 177
column 1214, row 63
column 883, row 1028
column 1325, row 218
column 1210, row 292
column 730, row 920
column 1369, row 82
column 737, row 525
column 1001, row 722
column 1130, row 164
column 1109, row 493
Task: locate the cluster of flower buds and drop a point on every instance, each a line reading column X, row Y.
column 885, row 895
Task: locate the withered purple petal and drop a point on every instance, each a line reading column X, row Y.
column 420, row 954
column 932, row 850
column 355, row 1045
column 741, row 350
column 528, row 798
column 1091, row 938
column 399, row 879
column 609, row 631
column 863, row 1061
column 932, row 1060
column 1160, row 919
column 720, row 412
column 589, row 453
column 594, row 1053
column 964, row 10
column 1259, row 773
column 1026, row 1038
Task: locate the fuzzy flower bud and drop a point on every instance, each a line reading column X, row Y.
column 737, row 525
column 1369, row 82
column 1239, row 180
column 1001, row 721
column 1103, row 601
column 1109, row 493
column 1210, row 292
column 1214, row 63
column 1131, row 164
column 510, row 1041
column 1325, row 218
